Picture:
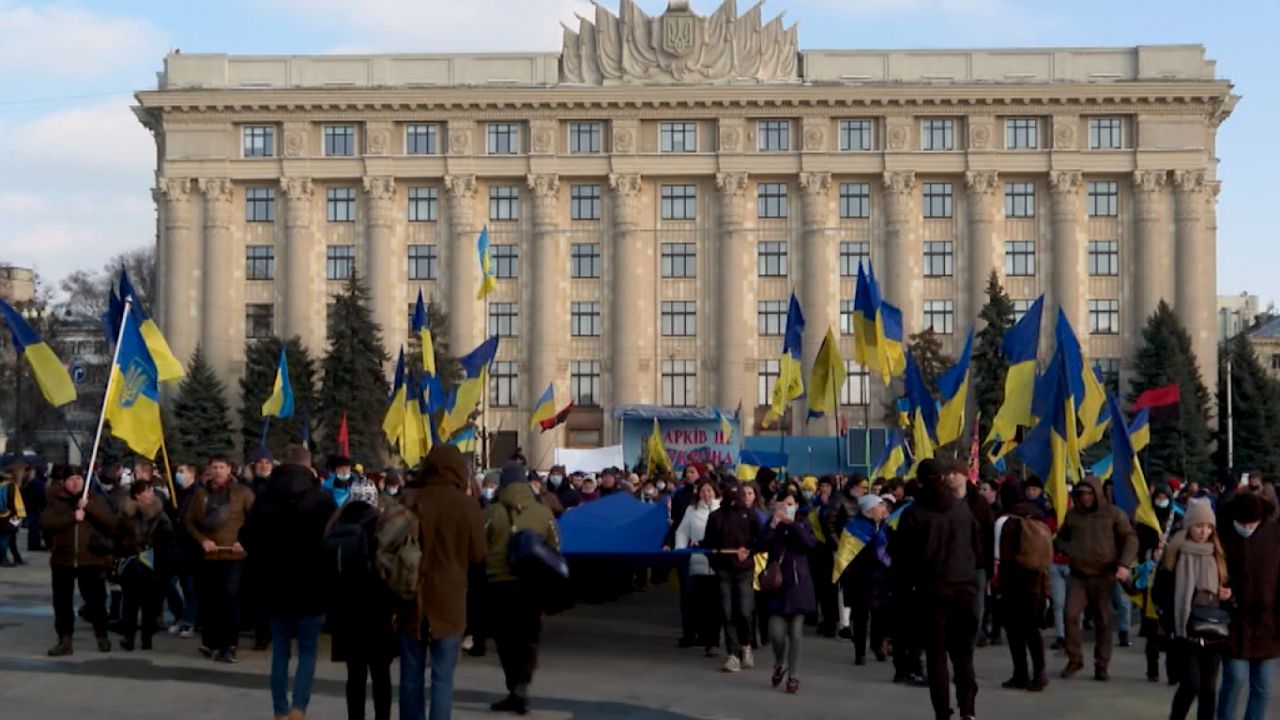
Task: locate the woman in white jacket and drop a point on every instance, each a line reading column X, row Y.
column 704, row 586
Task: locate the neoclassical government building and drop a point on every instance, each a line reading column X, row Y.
column 656, row 190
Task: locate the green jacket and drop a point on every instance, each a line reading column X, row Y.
column 515, row 509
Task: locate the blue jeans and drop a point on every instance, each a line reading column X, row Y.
column 1124, row 611
column 1234, row 673
column 444, row 661
column 1058, row 580
column 283, row 632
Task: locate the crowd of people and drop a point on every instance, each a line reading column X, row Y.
column 428, row 565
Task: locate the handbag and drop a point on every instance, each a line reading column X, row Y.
column 771, row 577
column 533, row 560
column 1208, row 623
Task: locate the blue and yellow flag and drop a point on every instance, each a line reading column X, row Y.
column 415, row 440
column 858, row 533
column 488, row 282
column 726, row 427
column 1102, row 469
column 889, row 335
column 789, row 385
column 1140, row 430
column 866, row 336
column 921, row 408
column 133, row 397
column 166, row 364
column 1128, row 482
column 1050, row 449
column 655, row 457
column 465, row 439
column 421, row 326
column 51, row 375
column 893, row 458
column 280, row 404
column 545, row 407
column 393, row 421
column 921, row 443
column 475, row 365
column 826, row 379
column 750, row 462
column 1020, row 346
column 1083, row 385
column 953, row 387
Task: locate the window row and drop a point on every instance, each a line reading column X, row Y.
column 855, row 392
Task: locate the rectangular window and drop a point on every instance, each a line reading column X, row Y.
column 938, row 134
column 853, row 252
column 423, row 262
column 679, row 202
column 340, row 204
column 855, row 135
column 771, row 317
column 676, row 137
column 1020, row 134
column 771, row 200
column 939, row 315
column 771, row 258
column 857, row 385
column 584, row 382
column 504, row 202
column 1019, row 199
column 584, row 260
column 584, row 319
column 259, row 321
column 584, row 202
column 424, row 203
column 504, row 138
column 774, row 135
column 1104, row 198
column 506, row 261
column 679, row 260
column 1110, row 369
column 1020, row 308
column 1104, row 257
column 422, row 139
column 504, row 319
column 259, row 204
column 938, row 258
column 767, row 372
column 339, row 140
column 1020, row 258
column 679, row 318
column 259, row 262
column 503, row 383
column 259, row 141
column 937, row 199
column 680, row 383
column 846, row 317
column 1104, row 317
column 855, row 200
column 584, row 137
column 1106, row 133
column 339, row 262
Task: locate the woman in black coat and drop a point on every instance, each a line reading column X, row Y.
column 788, row 537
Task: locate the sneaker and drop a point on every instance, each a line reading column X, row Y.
column 1124, row 640
column 845, row 633
column 227, row 656
column 793, row 686
column 205, row 651
column 174, row 629
column 1014, row 683
column 778, row 674
column 1073, row 667
column 732, row 664
column 185, row 632
column 467, row 642
column 748, row 660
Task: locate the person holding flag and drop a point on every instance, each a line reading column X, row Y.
column 79, row 525
column 862, row 566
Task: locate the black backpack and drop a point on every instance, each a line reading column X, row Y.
column 347, row 547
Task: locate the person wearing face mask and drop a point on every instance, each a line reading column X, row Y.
column 1249, row 539
column 788, row 539
column 565, row 488
column 544, row 494
column 1151, row 543
column 182, row 590
column 338, row 484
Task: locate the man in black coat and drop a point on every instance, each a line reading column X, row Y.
column 1250, row 538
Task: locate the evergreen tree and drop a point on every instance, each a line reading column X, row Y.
column 1255, row 406
column 201, row 419
column 261, row 358
column 1180, row 442
column 353, row 379
column 927, row 350
column 990, row 366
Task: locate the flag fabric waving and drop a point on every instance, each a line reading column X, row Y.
column 1019, row 345
column 280, row 403
column 859, row 533
column 953, row 387
column 475, row 365
column 866, row 311
column 655, row 457
column 51, row 375
column 133, row 396
column 922, row 408
column 826, row 379
column 544, row 408
column 344, row 437
column 893, row 458
column 1158, row 397
column 789, row 385
column 1049, row 448
column 1128, row 482
column 890, row 336
column 166, row 364
column 488, row 282
column 420, row 326
column 1140, row 430
column 558, row 419
column 393, row 421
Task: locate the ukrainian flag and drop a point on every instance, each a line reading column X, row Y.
column 893, row 458
column 1019, row 346
column 51, row 375
column 923, row 444
column 655, row 451
column 726, row 427
column 866, row 326
column 1102, row 469
column 393, row 421
column 465, row 439
column 922, row 408
column 421, row 327
column 858, row 533
column 280, row 404
column 1140, row 430
column 827, row 378
column 475, row 365
column 1086, row 391
column 1051, row 449
column 111, row 319
column 953, row 386
column 545, row 407
column 415, row 441
column 789, row 385
column 488, row 283
column 890, row 337
column 1130, row 485
column 166, row 364
column 1092, row 434
column 750, row 462
column 133, row 397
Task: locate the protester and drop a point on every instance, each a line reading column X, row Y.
column 866, row 581
column 788, row 540
column 144, row 545
column 32, row 486
column 1024, row 552
column 703, row 591
column 285, row 531
column 822, row 559
column 452, row 538
column 338, row 483
column 544, row 495
column 681, row 500
column 732, row 534
column 566, row 489
column 10, row 517
column 1101, row 544
column 516, row 618
column 1151, row 543
column 1193, row 571
column 1250, row 538
column 185, row 553
column 252, row 613
column 214, row 519
column 937, row 548
column 79, row 527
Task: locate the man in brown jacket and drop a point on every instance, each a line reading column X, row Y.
column 214, row 518
column 1101, row 543
column 80, row 527
column 452, row 537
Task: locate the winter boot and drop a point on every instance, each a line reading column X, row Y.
column 63, row 647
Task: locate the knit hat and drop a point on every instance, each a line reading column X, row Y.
column 867, row 503
column 512, row 473
column 809, row 483
column 262, row 453
column 364, row 491
column 1199, row 512
column 1247, row 508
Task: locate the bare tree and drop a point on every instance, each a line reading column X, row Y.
column 84, row 292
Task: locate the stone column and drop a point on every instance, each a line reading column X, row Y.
column 178, row 309
column 819, row 274
column 222, row 327
column 302, row 273
column 985, row 251
column 1152, row 248
column 902, row 278
column 385, row 257
column 463, row 279
column 548, row 339
column 1196, row 269
column 1069, row 250
column 632, row 313
column 737, row 351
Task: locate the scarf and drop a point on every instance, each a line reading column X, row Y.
column 1196, row 571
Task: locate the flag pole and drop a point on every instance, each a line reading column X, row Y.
column 106, row 397
column 835, row 412
column 168, row 472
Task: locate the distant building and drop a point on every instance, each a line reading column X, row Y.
column 1266, row 343
column 1236, row 313
column 17, row 284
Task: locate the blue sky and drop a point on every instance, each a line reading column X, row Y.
column 76, row 168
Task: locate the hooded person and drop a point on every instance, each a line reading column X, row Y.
column 866, row 581
column 516, row 619
column 1249, row 539
column 144, row 545
column 338, row 483
column 1100, row 544
column 1022, row 585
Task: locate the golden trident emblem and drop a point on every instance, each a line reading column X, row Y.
column 135, row 379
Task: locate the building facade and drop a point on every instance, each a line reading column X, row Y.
column 17, row 284
column 656, row 190
column 1236, row 314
